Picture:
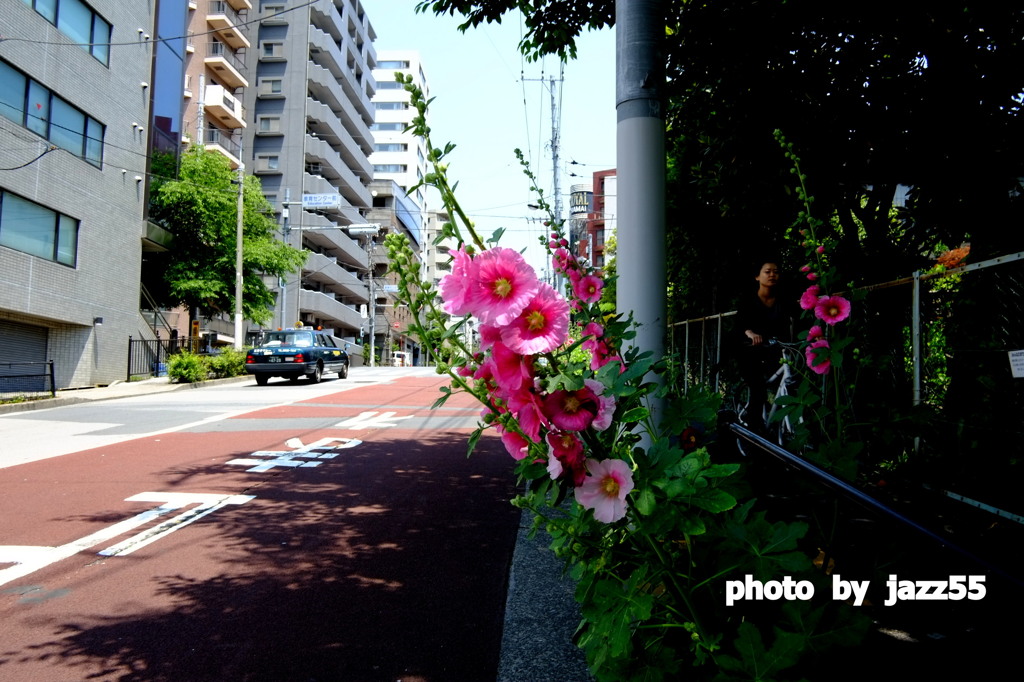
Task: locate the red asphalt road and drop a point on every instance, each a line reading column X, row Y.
column 387, row 562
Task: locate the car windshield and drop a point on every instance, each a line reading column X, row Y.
column 297, row 339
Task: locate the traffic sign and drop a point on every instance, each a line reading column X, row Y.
column 315, row 201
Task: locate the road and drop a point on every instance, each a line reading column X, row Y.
column 288, row 532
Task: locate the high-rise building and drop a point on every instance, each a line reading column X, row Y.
column 600, row 223
column 75, row 93
column 216, row 75
column 309, row 114
column 398, row 155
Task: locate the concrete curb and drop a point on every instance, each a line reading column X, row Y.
column 112, row 392
column 541, row 615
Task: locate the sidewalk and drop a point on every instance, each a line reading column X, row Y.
column 540, row 612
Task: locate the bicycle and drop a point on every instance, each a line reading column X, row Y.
column 775, row 426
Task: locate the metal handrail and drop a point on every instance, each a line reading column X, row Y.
column 846, row 490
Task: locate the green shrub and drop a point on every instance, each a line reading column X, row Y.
column 187, row 368
column 228, row 363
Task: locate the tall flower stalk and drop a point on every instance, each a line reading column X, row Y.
column 649, row 534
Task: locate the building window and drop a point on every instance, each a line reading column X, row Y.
column 391, row 106
column 391, row 147
column 36, row 230
column 393, row 64
column 79, row 22
column 399, row 126
column 390, row 168
column 268, row 163
column 271, row 87
column 271, row 50
column 268, row 125
column 390, row 85
column 49, row 115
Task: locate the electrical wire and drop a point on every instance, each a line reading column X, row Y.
column 28, row 163
column 158, row 38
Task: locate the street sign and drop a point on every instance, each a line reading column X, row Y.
column 391, row 288
column 315, row 201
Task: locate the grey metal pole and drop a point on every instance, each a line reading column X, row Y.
column 238, row 259
column 640, row 67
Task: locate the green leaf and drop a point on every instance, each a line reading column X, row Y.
column 714, row 500
column 645, row 502
column 637, row 414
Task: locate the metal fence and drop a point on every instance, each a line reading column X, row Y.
column 26, row 380
column 934, row 312
column 149, row 357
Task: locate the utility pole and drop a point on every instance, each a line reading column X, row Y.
column 239, row 329
column 370, row 231
column 640, row 151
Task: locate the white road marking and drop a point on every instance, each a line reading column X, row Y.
column 370, row 420
column 321, row 449
column 29, row 559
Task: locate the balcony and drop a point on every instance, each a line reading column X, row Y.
column 217, row 140
column 224, row 107
column 240, row 5
column 223, row 19
column 223, row 61
column 326, row 271
column 329, row 309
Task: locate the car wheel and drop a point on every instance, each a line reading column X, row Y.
column 343, row 372
column 262, row 379
column 317, row 375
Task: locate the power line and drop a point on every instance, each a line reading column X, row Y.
column 158, row 38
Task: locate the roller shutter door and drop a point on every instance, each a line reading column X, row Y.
column 22, row 343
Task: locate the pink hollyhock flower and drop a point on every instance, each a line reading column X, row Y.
column 567, row 449
column 528, row 408
column 541, row 327
column 489, row 334
column 815, row 332
column 516, row 445
column 805, row 268
column 459, row 287
column 588, row 289
column 572, row 410
column 509, row 369
column 812, row 276
column 832, row 309
column 555, row 468
column 810, row 297
column 605, row 489
column 505, row 285
column 819, row 364
column 821, row 249
column 606, row 409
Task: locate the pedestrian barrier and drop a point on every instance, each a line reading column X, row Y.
column 26, row 379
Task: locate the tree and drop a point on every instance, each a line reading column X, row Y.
column 200, row 210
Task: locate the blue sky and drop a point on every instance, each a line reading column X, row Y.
column 489, row 102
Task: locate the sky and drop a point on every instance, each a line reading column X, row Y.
column 490, row 101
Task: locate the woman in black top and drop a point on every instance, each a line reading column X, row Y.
column 762, row 315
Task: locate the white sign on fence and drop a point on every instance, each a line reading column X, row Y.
column 1017, row 363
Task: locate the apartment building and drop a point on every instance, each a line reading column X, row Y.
column 309, row 109
column 601, row 223
column 216, row 75
column 389, row 323
column 75, row 97
column 398, row 155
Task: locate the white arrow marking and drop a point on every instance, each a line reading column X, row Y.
column 29, row 559
column 370, row 420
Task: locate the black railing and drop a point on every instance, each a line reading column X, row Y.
column 844, row 490
column 20, row 378
column 150, row 356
